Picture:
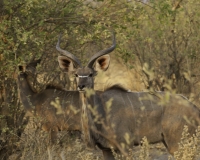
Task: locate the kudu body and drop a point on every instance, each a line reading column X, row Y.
column 55, row 109
column 109, row 117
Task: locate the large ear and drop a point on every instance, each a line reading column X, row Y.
column 66, row 64
column 102, row 63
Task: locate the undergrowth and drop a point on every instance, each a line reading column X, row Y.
column 35, row 145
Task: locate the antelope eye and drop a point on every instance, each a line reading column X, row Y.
column 76, row 75
column 90, row 75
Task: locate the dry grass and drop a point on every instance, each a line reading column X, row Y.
column 34, row 145
column 189, row 147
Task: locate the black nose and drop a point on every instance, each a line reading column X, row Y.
column 81, row 87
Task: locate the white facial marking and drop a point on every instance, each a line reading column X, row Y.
column 83, row 76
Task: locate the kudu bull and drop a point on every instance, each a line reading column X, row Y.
column 160, row 117
column 56, row 109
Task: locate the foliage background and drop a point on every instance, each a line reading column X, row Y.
column 161, row 37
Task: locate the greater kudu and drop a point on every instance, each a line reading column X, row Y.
column 160, row 117
column 56, row 109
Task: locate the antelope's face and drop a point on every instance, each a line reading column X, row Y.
column 85, row 75
column 85, row 78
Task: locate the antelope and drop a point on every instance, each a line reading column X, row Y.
column 55, row 108
column 109, row 117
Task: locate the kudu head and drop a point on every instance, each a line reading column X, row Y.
column 84, row 75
